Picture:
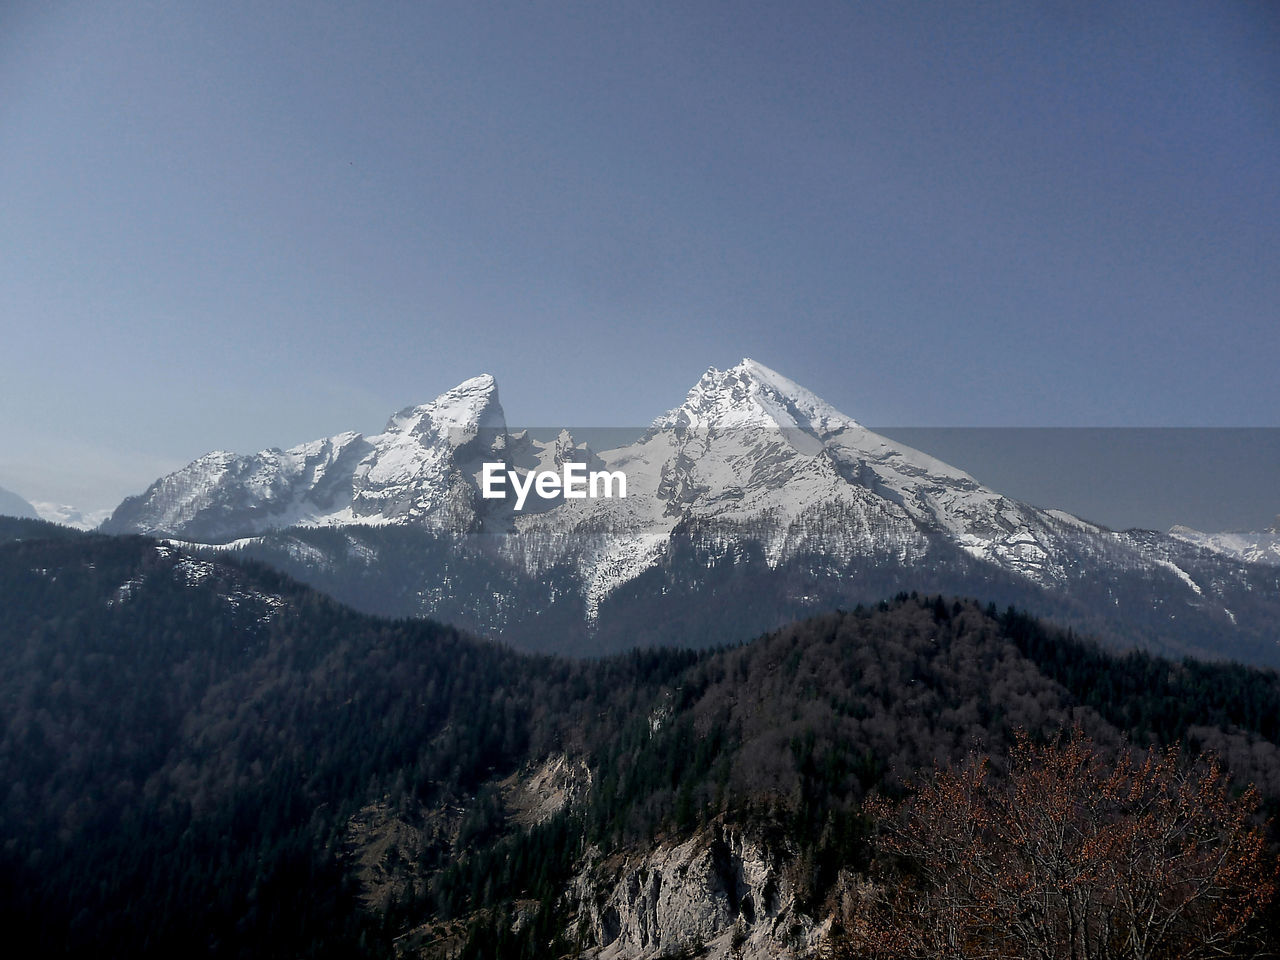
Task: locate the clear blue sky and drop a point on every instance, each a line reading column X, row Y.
column 237, row 225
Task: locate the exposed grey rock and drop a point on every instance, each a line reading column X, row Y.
column 721, row 891
column 535, row 796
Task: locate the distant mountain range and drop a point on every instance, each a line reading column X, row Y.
column 751, row 503
column 70, row 516
column 12, row 505
column 1259, row 547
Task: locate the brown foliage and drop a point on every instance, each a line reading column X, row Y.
column 1070, row 856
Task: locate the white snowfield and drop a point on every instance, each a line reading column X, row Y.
column 748, row 456
column 1258, row 547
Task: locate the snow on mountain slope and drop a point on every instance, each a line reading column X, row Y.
column 750, row 454
column 1257, row 547
column 748, row 457
column 412, row 471
column 422, row 467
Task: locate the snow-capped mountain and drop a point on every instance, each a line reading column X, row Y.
column 1261, row 546
column 420, row 469
column 752, row 472
column 747, row 450
column 752, row 455
column 69, row 516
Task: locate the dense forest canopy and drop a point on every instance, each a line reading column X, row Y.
column 187, row 745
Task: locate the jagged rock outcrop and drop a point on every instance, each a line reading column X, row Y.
column 536, row 795
column 722, row 892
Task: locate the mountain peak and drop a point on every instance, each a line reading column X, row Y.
column 13, row 505
column 751, row 393
column 471, row 405
column 752, row 367
column 808, row 402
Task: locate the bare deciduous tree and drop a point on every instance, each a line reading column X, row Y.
column 1070, row 857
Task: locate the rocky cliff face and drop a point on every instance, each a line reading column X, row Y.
column 721, row 893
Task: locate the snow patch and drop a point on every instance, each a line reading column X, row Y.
column 124, row 592
column 1179, row 573
column 193, row 571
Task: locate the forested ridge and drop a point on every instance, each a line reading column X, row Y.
column 703, row 595
column 186, row 743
